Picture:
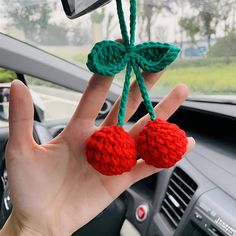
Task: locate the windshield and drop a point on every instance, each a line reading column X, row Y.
column 204, row 29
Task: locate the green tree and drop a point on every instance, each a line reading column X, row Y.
column 97, row 17
column 190, row 26
column 209, row 22
column 225, row 48
column 209, row 16
column 56, row 35
column 148, row 11
column 78, row 34
column 227, row 12
column 109, row 26
column 32, row 19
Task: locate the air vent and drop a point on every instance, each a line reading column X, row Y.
column 179, row 192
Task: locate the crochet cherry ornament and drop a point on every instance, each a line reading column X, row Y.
column 111, row 151
column 161, row 143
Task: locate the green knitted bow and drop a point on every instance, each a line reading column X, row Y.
column 109, row 58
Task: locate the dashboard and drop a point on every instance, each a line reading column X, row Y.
column 197, row 197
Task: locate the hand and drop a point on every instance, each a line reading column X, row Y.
column 54, row 191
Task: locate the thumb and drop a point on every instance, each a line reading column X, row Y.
column 21, row 113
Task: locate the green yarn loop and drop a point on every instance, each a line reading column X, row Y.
column 109, row 58
column 125, row 94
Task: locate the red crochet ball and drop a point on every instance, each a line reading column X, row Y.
column 161, row 143
column 111, row 151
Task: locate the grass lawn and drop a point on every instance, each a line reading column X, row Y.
column 203, row 76
column 6, row 76
column 210, row 79
column 220, row 78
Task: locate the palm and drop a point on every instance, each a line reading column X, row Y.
column 53, row 184
column 69, row 178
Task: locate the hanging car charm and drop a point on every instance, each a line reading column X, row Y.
column 112, row 150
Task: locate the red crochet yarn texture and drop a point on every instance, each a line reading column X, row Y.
column 111, row 151
column 161, row 143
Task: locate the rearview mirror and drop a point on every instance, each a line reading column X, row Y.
column 77, row 8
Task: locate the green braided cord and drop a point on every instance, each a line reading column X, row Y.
column 108, row 58
column 132, row 21
column 143, row 90
column 124, row 98
column 123, row 26
column 125, row 93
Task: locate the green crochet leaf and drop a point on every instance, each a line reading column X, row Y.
column 154, row 56
column 109, row 58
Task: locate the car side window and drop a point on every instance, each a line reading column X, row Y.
column 6, row 77
column 53, row 102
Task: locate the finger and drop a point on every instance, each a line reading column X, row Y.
column 142, row 170
column 93, row 98
column 134, row 99
column 164, row 109
column 21, row 113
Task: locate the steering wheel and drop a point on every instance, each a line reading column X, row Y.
column 112, row 217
